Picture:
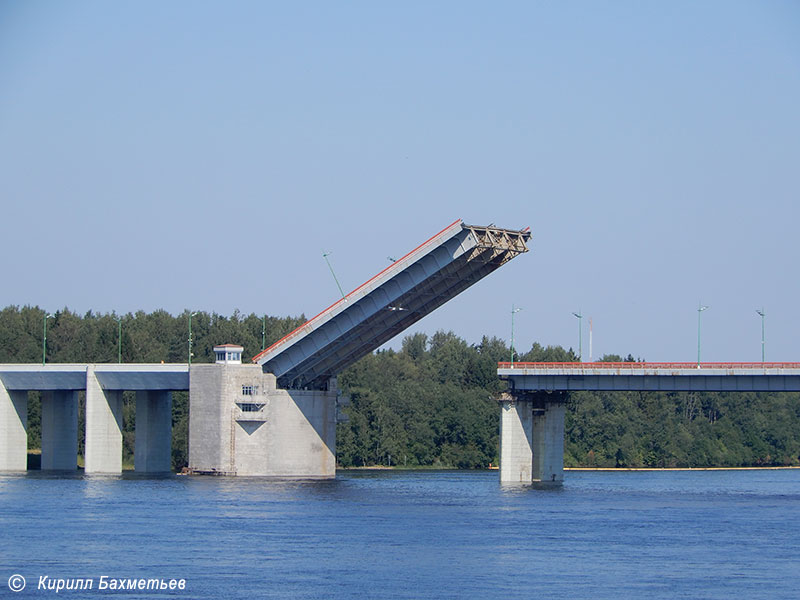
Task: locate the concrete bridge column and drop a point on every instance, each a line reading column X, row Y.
column 103, row 427
column 516, row 440
column 153, row 452
column 60, row 430
column 548, row 442
column 13, row 429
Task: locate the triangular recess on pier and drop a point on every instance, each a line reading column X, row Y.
column 393, row 300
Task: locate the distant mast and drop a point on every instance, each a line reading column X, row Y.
column 590, row 339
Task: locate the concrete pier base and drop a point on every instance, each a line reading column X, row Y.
column 532, row 437
column 153, row 450
column 241, row 424
column 13, row 430
column 60, row 430
column 516, row 441
column 548, row 443
column 103, row 427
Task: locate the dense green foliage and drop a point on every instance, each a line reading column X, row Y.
column 432, row 402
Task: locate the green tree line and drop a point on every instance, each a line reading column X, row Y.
column 431, row 403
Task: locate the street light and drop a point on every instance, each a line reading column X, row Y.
column 44, row 337
column 762, row 314
column 263, row 332
column 341, row 291
column 513, row 312
column 191, row 314
column 119, row 339
column 700, row 309
column 580, row 335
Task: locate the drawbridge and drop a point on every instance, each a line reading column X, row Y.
column 393, row 300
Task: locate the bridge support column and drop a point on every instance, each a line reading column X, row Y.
column 103, row 427
column 548, row 442
column 516, row 440
column 153, row 451
column 532, row 437
column 13, row 429
column 60, row 430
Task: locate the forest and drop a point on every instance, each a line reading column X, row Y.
column 429, row 404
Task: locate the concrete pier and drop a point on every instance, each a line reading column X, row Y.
column 153, row 450
column 240, row 423
column 516, row 440
column 548, row 442
column 60, row 430
column 532, row 437
column 103, row 427
column 13, row 429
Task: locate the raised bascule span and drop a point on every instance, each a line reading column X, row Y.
column 396, row 298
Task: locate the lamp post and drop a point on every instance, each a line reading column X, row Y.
column 761, row 313
column 580, row 335
column 513, row 312
column 700, row 309
column 119, row 340
column 341, row 291
column 263, row 332
column 191, row 314
column 44, row 337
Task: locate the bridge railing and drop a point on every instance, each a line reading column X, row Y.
column 647, row 365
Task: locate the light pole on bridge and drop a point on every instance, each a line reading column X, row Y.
column 191, row 314
column 700, row 309
column 762, row 314
column 325, row 255
column 513, row 312
column 580, row 335
column 44, row 337
column 119, row 339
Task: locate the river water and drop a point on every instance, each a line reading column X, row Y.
column 408, row 534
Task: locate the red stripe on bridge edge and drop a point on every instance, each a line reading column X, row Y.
column 644, row 365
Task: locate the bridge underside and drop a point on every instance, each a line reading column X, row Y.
column 390, row 302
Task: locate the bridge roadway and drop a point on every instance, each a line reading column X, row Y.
column 532, row 411
column 103, row 384
column 653, row 377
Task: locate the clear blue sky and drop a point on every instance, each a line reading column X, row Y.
column 203, row 155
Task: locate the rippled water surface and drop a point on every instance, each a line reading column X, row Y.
column 406, row 534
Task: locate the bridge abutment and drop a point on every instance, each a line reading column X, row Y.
column 59, row 430
column 532, row 437
column 103, row 427
column 153, row 446
column 13, row 429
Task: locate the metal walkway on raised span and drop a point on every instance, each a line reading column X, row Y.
column 396, row 298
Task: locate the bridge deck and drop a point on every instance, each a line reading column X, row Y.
column 396, row 298
column 632, row 376
column 129, row 376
